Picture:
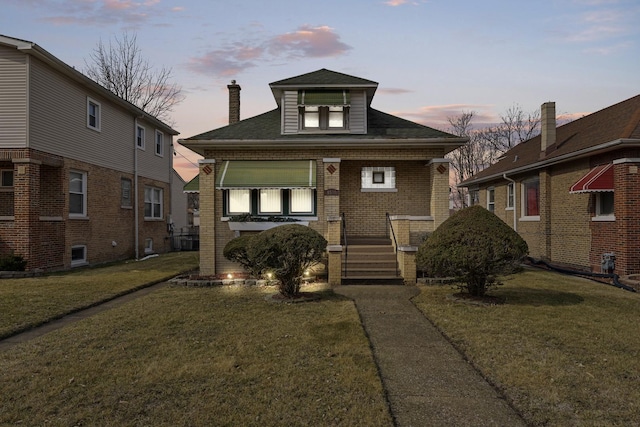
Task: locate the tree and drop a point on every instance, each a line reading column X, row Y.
column 515, row 127
column 287, row 251
column 120, row 68
column 475, row 247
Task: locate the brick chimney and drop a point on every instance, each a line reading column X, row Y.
column 234, row 102
column 547, row 125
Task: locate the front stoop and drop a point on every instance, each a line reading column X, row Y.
column 371, row 261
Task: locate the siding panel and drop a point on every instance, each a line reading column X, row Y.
column 13, row 99
column 290, row 108
column 357, row 112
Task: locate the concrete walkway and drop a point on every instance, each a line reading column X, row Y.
column 428, row 383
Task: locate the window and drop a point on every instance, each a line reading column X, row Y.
column 324, row 109
column 510, row 195
column 301, row 200
column 77, row 194
column 531, row 197
column 474, row 197
column 378, row 179
column 93, row 114
column 491, row 199
column 270, row 201
column 78, row 255
column 159, row 143
column 152, row 203
column 239, row 201
column 6, row 178
column 604, row 205
column 148, row 246
column 140, row 137
column 126, row 199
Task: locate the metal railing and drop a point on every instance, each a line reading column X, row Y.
column 395, row 242
column 345, row 243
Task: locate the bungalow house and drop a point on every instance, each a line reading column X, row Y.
column 370, row 182
column 573, row 192
column 85, row 175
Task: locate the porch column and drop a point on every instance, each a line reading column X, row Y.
column 26, row 209
column 207, row 217
column 331, row 174
column 439, row 174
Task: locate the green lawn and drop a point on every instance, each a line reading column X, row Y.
column 184, row 356
column 32, row 301
column 564, row 350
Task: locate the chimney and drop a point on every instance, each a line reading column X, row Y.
column 547, row 125
column 234, row 102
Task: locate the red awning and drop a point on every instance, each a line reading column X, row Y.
column 599, row 178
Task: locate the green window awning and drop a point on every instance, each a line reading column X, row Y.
column 267, row 174
column 192, row 186
column 324, row 97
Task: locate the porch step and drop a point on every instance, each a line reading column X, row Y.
column 368, row 241
column 370, row 263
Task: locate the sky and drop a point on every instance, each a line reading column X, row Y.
column 433, row 59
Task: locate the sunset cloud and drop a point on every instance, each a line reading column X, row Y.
column 437, row 115
column 304, row 42
column 393, row 91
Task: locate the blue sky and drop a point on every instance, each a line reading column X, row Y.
column 431, row 58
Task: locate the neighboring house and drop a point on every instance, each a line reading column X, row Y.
column 329, row 160
column 179, row 214
column 573, row 192
column 85, row 175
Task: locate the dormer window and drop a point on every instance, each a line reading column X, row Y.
column 324, row 109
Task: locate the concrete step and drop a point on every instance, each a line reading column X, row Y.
column 367, row 265
column 366, row 280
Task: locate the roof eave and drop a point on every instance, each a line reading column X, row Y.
column 449, row 144
column 601, row 148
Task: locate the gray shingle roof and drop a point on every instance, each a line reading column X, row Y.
column 615, row 123
column 324, row 77
column 266, row 126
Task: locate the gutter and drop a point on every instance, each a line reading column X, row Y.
column 515, row 210
column 560, row 159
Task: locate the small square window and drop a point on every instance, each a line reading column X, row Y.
column 378, row 177
column 148, row 246
column 6, row 178
column 93, row 114
column 78, row 256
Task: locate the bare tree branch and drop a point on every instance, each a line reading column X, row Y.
column 120, row 67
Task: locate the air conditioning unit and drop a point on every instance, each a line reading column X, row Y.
column 608, row 262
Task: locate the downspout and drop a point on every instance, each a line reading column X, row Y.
column 515, row 209
column 136, row 214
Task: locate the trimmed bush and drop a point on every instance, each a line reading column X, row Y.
column 12, row 263
column 287, row 251
column 236, row 250
column 475, row 247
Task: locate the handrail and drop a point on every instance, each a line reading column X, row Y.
column 344, row 239
column 395, row 242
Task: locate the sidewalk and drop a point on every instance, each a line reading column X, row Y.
column 30, row 334
column 428, row 383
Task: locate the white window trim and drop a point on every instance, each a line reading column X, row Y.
column 98, row 117
column 367, row 184
column 599, row 217
column 160, row 202
column 229, row 211
column 160, row 152
column 291, row 201
column 79, row 262
column 144, row 137
column 511, row 199
column 83, row 214
column 260, row 211
column 523, row 202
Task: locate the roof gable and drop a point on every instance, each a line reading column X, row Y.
column 324, row 77
column 602, row 130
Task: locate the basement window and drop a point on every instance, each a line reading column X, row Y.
column 78, row 256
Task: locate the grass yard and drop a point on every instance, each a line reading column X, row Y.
column 32, row 301
column 183, row 356
column 564, row 350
